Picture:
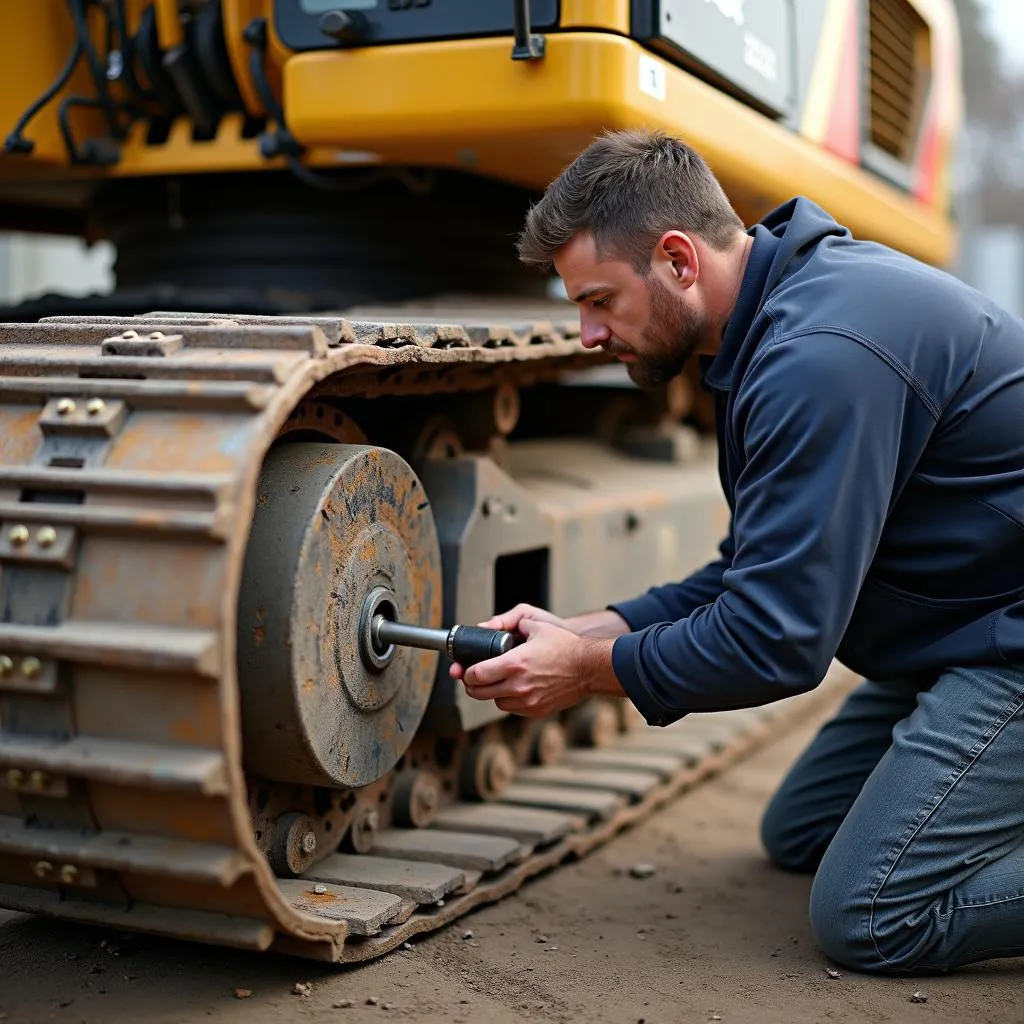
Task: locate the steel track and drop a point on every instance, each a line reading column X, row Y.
column 129, row 456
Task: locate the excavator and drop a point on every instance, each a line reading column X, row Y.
column 323, row 403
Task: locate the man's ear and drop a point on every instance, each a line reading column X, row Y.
column 677, row 249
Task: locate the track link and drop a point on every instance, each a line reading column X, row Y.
column 129, row 455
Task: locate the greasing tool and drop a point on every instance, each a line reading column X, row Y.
column 466, row 645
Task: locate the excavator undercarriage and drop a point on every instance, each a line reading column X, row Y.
column 322, row 388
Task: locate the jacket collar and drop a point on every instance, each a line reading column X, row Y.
column 758, row 277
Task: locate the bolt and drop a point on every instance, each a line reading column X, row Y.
column 66, row 406
column 31, row 667
column 366, row 823
column 6, row 665
column 46, row 537
column 69, row 874
column 15, row 778
column 38, row 780
column 18, row 535
column 309, row 842
column 426, row 798
column 42, row 869
column 156, row 335
column 95, row 406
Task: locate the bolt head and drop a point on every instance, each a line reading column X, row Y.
column 18, row 535
column 31, row 667
column 367, row 821
column 95, row 406
column 69, row 874
column 46, row 537
column 42, row 869
column 309, row 842
column 6, row 665
column 66, row 406
column 38, row 780
column 15, row 778
column 427, row 798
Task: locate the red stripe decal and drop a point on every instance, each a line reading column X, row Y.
column 843, row 136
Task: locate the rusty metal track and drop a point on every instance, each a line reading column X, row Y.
column 129, row 456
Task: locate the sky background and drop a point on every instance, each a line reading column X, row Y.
column 1006, row 18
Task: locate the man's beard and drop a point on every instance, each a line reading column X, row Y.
column 671, row 336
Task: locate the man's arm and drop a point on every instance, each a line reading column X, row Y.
column 825, row 422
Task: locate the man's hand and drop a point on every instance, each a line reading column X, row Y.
column 603, row 623
column 555, row 669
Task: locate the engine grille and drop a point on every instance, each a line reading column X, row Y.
column 899, row 66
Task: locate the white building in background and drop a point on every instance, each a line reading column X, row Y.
column 992, row 260
column 32, row 265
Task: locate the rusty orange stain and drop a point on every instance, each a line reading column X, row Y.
column 185, row 730
column 321, row 897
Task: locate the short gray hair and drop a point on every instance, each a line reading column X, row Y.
column 627, row 189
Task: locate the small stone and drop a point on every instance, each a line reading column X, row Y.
column 467, row 935
column 918, row 997
column 642, row 870
column 342, row 1004
column 302, row 988
column 388, row 1006
column 539, row 1006
column 463, row 1002
column 678, row 889
column 408, row 945
column 319, row 889
column 243, row 993
column 372, row 1000
column 541, row 938
column 832, row 972
column 550, row 949
column 716, row 1016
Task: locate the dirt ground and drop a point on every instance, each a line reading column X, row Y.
column 714, row 934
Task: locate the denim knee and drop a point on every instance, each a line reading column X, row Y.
column 842, row 920
column 842, row 923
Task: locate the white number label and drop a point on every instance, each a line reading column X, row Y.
column 759, row 56
column 652, row 77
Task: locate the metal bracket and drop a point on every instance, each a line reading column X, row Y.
column 528, row 46
column 131, row 343
column 93, row 417
column 48, row 545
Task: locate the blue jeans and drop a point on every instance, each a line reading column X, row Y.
column 909, row 805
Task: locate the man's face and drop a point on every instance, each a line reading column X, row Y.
column 645, row 322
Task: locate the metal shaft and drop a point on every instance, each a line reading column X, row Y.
column 386, row 632
column 464, row 644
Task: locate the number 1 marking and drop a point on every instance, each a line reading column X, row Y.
column 652, row 77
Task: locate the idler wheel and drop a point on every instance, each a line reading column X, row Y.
column 486, row 771
column 334, row 523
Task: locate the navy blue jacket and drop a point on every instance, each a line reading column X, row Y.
column 870, row 421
